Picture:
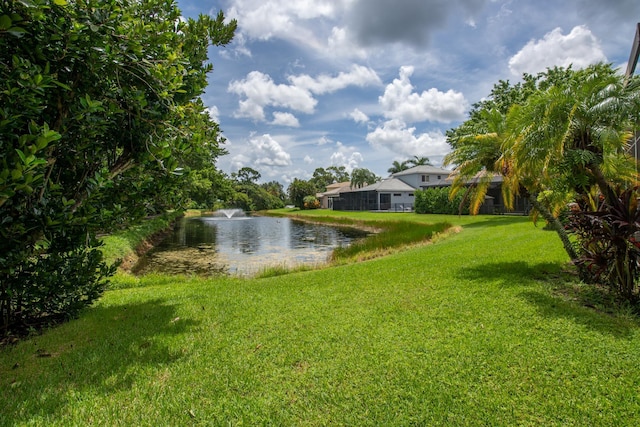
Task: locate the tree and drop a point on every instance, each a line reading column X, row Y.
column 361, row 177
column 398, row 166
column 100, row 104
column 246, row 175
column 323, row 177
column 564, row 133
column 298, row 190
column 419, row 161
column 339, row 173
column 275, row 189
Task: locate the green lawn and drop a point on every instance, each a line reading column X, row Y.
column 480, row 328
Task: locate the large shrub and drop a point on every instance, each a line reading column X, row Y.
column 99, row 107
column 609, row 243
column 437, row 201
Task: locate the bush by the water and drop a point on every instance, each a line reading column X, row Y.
column 437, row 201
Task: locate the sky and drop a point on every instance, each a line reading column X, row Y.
column 362, row 83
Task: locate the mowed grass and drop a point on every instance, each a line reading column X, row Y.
column 479, row 328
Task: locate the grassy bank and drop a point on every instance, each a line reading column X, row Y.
column 480, row 328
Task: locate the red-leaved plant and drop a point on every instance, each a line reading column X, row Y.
column 609, row 243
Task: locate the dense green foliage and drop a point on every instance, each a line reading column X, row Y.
column 437, row 201
column 362, row 176
column 609, row 245
column 100, row 120
column 480, row 328
column 331, row 175
column 298, row 190
column 310, row 202
column 556, row 138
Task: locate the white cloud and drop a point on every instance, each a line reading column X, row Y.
column 340, row 43
column 397, row 137
column 285, row 119
column 358, row 76
column 260, row 91
column 399, row 101
column 346, row 156
column 283, row 19
column 580, row 48
column 262, row 151
column 358, row 116
column 213, row 113
column 307, row 159
column 324, row 140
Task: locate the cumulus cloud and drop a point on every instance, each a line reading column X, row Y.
column 346, row 156
column 358, row 76
column 213, row 113
column 358, row 116
column 260, row 91
column 399, row 101
column 308, row 159
column 262, row 151
column 341, row 44
column 397, row 137
column 580, row 48
column 284, row 19
column 406, row 21
column 285, row 119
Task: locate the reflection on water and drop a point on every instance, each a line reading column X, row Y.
column 243, row 245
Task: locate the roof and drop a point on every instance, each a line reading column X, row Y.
column 423, row 169
column 389, row 184
column 335, row 189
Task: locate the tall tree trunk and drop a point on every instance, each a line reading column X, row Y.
column 556, row 225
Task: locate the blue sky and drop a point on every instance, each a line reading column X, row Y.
column 361, row 83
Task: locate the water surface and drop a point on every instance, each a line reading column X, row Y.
column 243, row 245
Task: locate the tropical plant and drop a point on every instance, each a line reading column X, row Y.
column 99, row 108
column 298, row 190
column 361, row 177
column 565, row 133
column 437, row 201
column 398, row 166
column 311, row 202
column 419, row 161
column 609, row 243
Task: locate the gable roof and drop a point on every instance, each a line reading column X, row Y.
column 335, row 189
column 389, row 184
column 423, row 169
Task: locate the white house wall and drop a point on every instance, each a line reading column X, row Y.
column 405, row 198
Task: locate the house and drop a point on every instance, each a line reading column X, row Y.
column 391, row 194
column 396, row 193
column 333, row 192
column 424, row 176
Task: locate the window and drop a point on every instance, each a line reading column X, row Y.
column 425, row 178
column 439, row 177
column 410, row 194
column 397, row 195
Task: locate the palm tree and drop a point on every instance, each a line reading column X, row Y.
column 574, row 135
column 419, row 161
column 398, row 166
column 361, row 177
column 477, row 146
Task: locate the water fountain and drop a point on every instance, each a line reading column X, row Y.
column 229, row 213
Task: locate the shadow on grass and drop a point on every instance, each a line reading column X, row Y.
column 563, row 299
column 498, row 221
column 101, row 353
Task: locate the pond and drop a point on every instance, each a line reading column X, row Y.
column 243, row 246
